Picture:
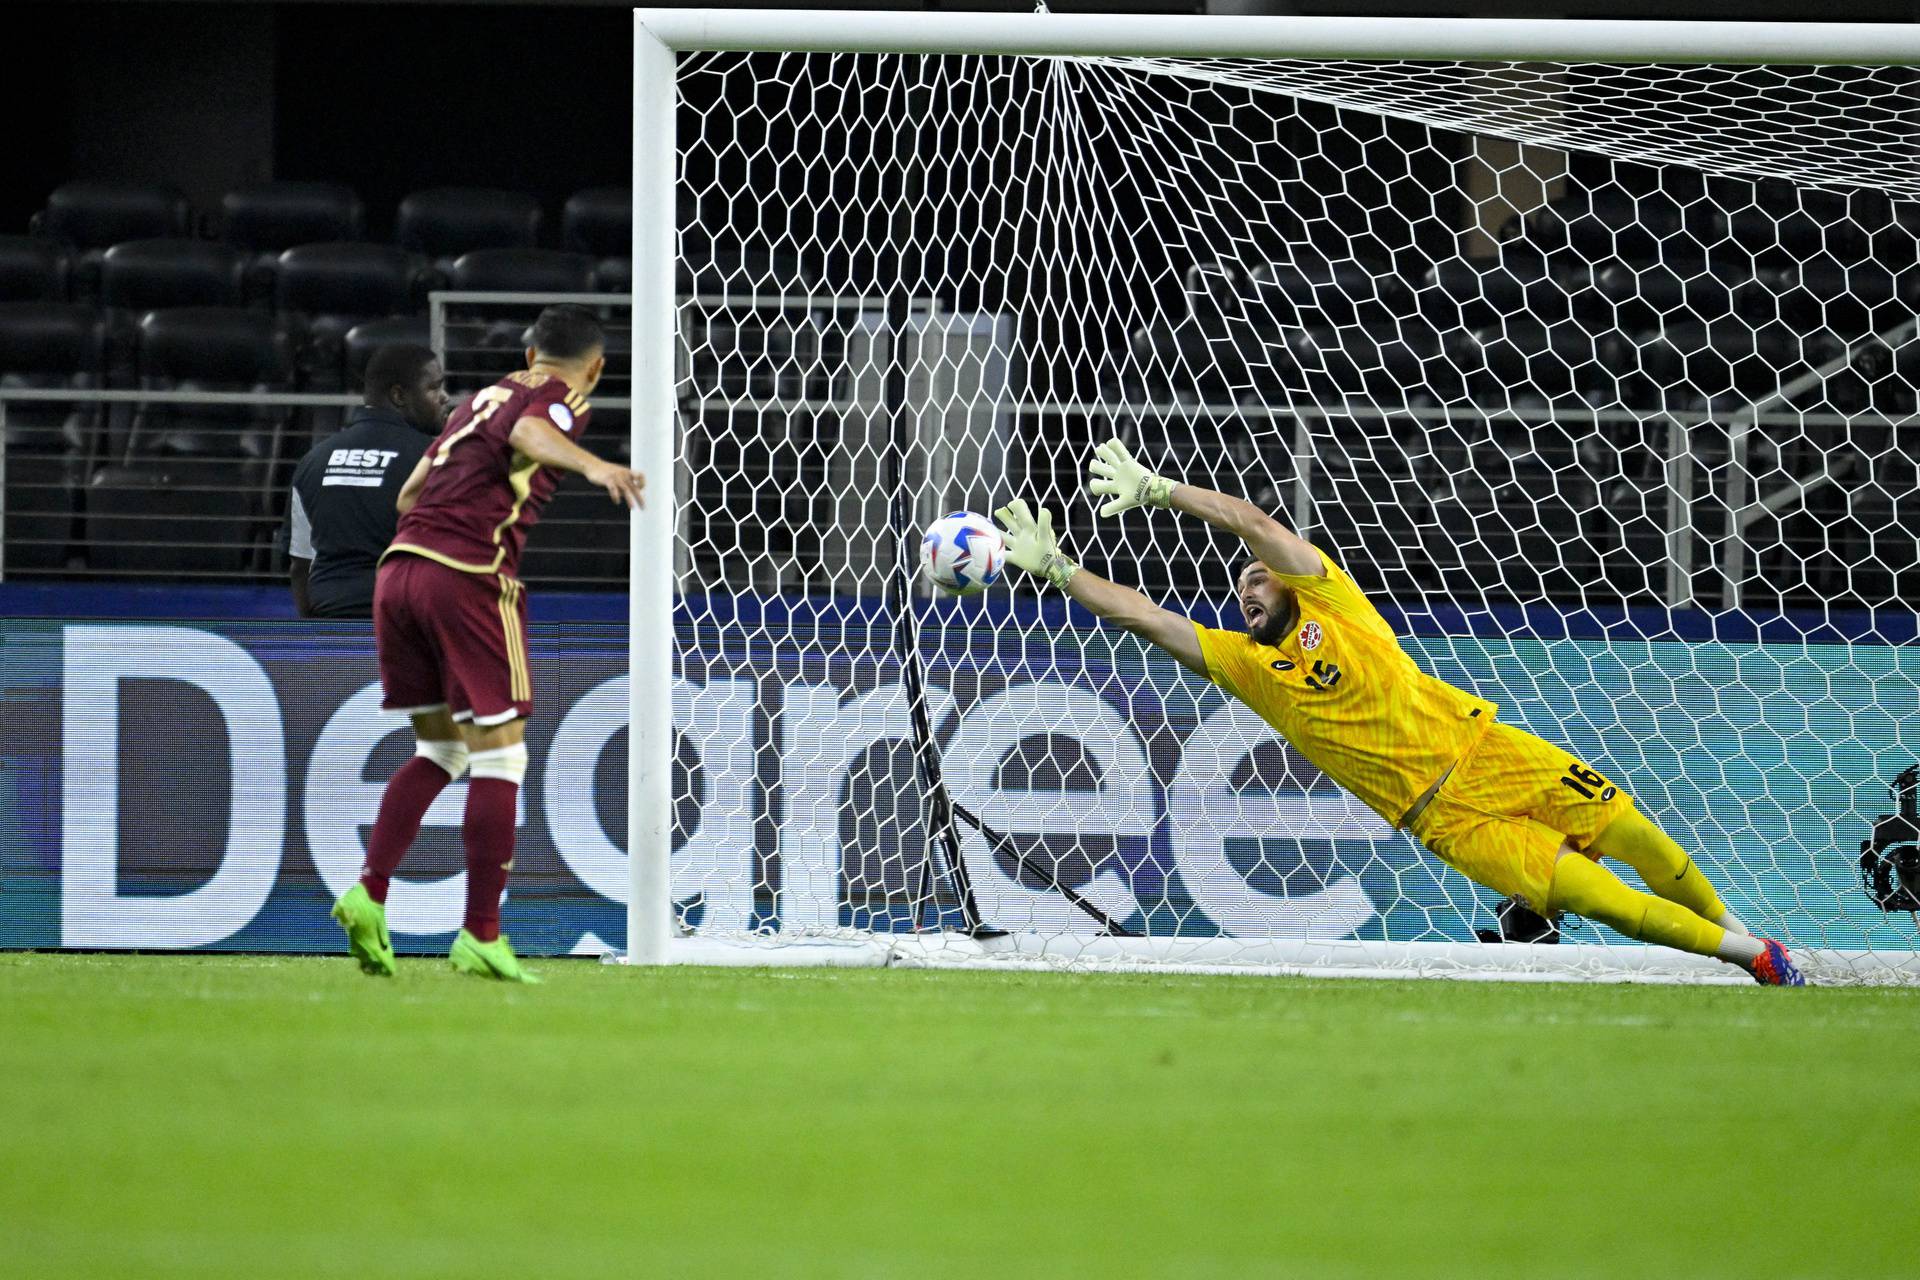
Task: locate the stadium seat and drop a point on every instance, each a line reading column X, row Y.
column 366, row 338
column 210, row 349
column 1316, row 291
column 275, row 216
column 347, row 280
column 1785, row 223
column 1877, row 380
column 1471, row 292
column 1556, row 360
column 1171, row 360
column 326, row 289
column 1677, row 288
column 90, row 217
column 1893, row 238
column 161, row 520
column 48, row 446
column 1728, row 362
column 599, row 222
column 140, row 275
column 1616, row 221
column 32, row 270
column 523, row 271
column 266, row 220
column 346, row 354
column 1388, row 363
column 445, row 222
column 617, row 380
column 1847, row 299
column 613, row 275
column 1219, row 296
column 95, row 215
column 232, row 456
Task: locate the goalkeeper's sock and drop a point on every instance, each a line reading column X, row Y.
column 409, row 793
column 1588, row 889
column 1664, row 865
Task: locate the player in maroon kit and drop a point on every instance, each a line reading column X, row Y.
column 450, row 623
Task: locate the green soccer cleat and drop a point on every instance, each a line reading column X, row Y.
column 366, row 924
column 488, row 959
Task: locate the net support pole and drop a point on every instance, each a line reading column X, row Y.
column 651, row 531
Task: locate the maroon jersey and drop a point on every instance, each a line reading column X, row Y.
column 482, row 495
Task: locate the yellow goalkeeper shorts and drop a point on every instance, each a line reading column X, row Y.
column 1507, row 807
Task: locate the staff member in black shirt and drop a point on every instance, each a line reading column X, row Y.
column 342, row 514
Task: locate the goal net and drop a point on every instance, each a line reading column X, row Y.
column 1599, row 379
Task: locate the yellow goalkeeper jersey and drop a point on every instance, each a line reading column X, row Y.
column 1341, row 689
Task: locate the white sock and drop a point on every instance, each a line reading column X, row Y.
column 1731, row 923
column 1740, row 948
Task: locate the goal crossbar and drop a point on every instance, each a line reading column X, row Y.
column 1175, row 36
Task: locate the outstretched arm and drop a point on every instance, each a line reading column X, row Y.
column 1031, row 545
column 1125, row 607
column 538, row 439
column 1116, row 476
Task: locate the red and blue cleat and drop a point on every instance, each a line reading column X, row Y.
column 1775, row 968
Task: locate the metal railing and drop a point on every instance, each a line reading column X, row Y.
column 262, row 454
column 1703, row 484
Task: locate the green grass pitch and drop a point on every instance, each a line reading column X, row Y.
column 256, row 1117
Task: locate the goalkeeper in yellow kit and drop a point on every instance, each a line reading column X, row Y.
column 1319, row 664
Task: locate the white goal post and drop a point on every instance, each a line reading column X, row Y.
column 1415, row 283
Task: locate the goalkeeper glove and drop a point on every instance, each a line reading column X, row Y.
column 1031, row 544
column 1114, row 474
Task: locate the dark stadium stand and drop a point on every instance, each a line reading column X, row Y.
column 48, row 446
column 599, row 221
column 139, row 275
column 276, row 216
column 215, row 470
column 523, row 271
column 583, row 537
column 95, row 215
column 1317, row 291
column 91, row 217
column 1469, row 293
column 346, row 353
column 344, row 279
column 266, row 220
column 445, row 222
column 136, row 514
column 32, row 270
column 210, row 349
column 613, row 275
column 1650, row 294
column 323, row 290
column 365, row 339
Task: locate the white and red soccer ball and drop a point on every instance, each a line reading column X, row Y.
column 963, row 553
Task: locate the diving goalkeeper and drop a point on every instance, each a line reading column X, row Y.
column 1319, row 664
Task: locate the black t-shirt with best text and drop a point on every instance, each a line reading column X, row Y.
column 341, row 515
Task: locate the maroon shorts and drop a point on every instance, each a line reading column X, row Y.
column 451, row 639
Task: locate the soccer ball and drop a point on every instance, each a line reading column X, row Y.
column 963, row 553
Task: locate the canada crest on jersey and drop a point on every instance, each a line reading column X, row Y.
column 1311, row 636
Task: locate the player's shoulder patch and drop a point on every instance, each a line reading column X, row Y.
column 562, row 416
